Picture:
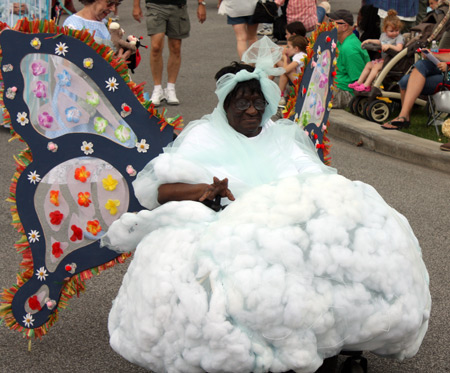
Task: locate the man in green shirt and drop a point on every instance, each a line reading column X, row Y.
column 351, row 59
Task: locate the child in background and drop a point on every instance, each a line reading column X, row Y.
column 389, row 39
column 295, row 28
column 292, row 62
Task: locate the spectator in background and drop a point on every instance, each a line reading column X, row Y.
column 407, row 10
column 351, row 60
column 239, row 15
column 169, row 18
column 368, row 24
column 304, row 11
column 323, row 8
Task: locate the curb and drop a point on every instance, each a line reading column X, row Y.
column 397, row 144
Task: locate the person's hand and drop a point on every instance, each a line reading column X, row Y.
column 422, row 52
column 137, row 13
column 385, row 47
column 124, row 54
column 442, row 66
column 20, row 9
column 217, row 188
column 201, row 13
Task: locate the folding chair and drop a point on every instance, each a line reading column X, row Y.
column 439, row 106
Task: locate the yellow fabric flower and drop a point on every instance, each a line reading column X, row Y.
column 112, row 205
column 109, row 183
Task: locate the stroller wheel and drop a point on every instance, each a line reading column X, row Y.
column 353, row 103
column 360, row 106
column 378, row 111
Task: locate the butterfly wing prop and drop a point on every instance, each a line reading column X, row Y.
column 88, row 134
column 310, row 101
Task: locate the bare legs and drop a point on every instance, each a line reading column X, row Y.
column 415, row 85
column 245, row 36
column 369, row 73
column 156, row 59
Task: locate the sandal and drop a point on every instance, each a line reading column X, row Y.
column 445, row 147
column 396, row 124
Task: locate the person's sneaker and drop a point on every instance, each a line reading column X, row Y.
column 171, row 96
column 282, row 102
column 265, row 30
column 157, row 97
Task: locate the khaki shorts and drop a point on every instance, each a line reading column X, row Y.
column 341, row 99
column 172, row 20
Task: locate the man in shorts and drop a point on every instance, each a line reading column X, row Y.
column 166, row 17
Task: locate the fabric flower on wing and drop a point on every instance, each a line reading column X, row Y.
column 33, row 236
column 109, row 183
column 61, row 49
column 56, row 217
column 112, row 84
column 84, row 199
column 54, row 197
column 77, row 234
column 93, row 226
column 81, row 174
column 34, row 177
column 34, row 304
column 87, row 147
column 111, row 205
column 41, row 274
column 28, row 320
column 22, row 118
column 142, row 146
column 57, row 251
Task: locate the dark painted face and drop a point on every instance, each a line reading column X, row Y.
column 246, row 121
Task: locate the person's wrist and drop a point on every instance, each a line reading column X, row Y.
column 202, row 3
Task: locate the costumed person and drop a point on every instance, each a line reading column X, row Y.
column 389, row 39
column 301, row 264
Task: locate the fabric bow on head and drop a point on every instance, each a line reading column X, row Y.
column 263, row 54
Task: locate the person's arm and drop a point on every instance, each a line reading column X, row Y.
column 194, row 192
column 396, row 48
column 372, row 41
column 444, row 57
column 137, row 11
column 289, row 66
column 201, row 12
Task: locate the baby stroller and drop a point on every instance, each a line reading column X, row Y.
column 384, row 97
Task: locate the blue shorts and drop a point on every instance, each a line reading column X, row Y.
column 432, row 74
column 240, row 20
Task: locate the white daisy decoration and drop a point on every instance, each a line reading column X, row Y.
column 61, row 49
column 142, row 146
column 41, row 274
column 34, row 177
column 22, row 118
column 33, row 236
column 112, row 84
column 87, row 147
column 28, row 320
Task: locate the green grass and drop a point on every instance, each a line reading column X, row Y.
column 418, row 127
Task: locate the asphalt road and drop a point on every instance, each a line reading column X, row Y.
column 79, row 340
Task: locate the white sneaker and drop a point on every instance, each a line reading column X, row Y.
column 282, row 102
column 157, row 97
column 266, row 29
column 171, row 96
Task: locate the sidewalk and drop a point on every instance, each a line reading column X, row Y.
column 397, row 144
